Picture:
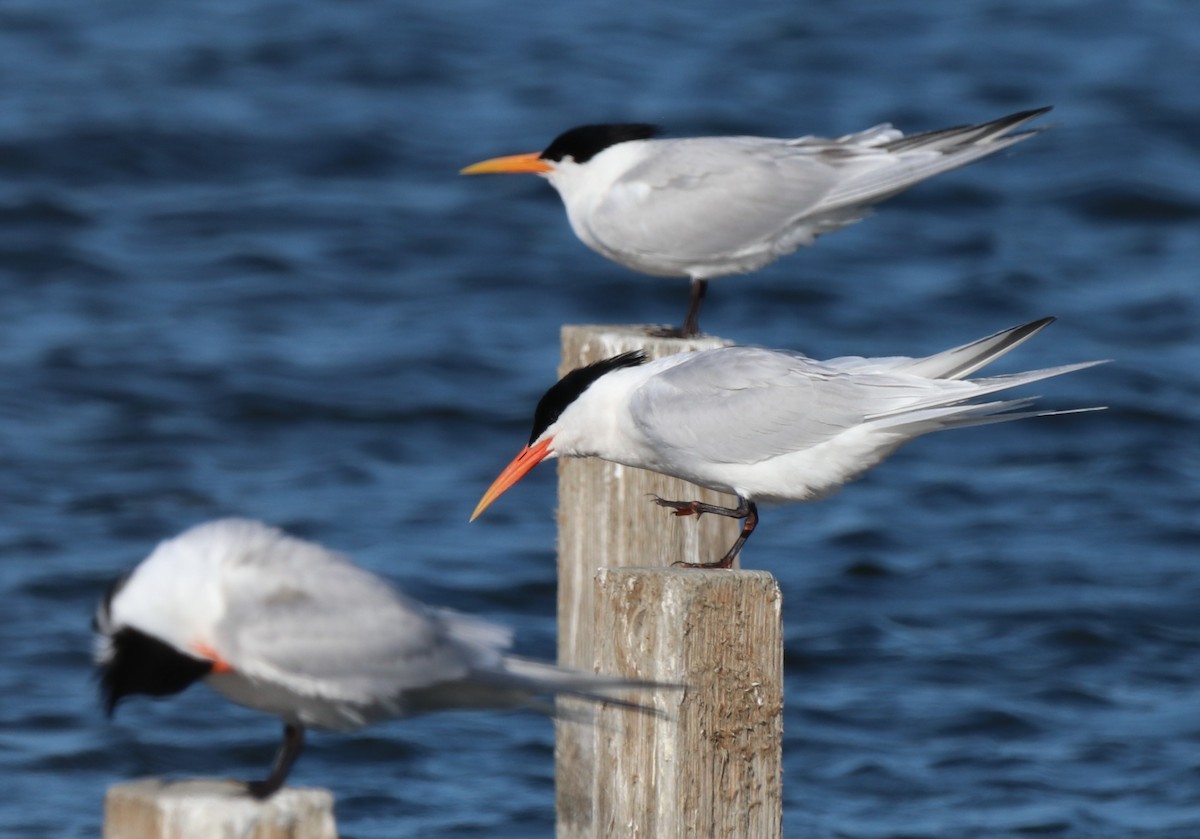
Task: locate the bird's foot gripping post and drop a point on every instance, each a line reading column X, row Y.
column 691, row 321
column 745, row 510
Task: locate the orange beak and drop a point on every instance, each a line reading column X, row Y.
column 513, row 164
column 219, row 665
column 529, row 457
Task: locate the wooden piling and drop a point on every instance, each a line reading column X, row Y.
column 712, row 767
column 606, row 519
column 208, row 809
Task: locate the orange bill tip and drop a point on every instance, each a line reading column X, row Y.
column 219, row 665
column 513, row 164
column 529, row 457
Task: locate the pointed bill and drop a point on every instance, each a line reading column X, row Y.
column 529, row 457
column 513, row 164
column 207, row 652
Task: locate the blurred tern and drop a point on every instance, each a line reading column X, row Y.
column 287, row 627
column 767, row 425
column 706, row 207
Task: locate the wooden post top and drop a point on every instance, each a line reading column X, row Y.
column 214, row 809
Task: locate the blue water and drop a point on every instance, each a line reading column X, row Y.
column 241, row 276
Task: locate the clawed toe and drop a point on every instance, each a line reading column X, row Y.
column 721, row 563
column 679, row 508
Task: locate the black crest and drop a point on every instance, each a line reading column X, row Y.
column 571, row 386
column 139, row 663
column 587, row 141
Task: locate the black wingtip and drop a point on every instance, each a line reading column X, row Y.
column 1006, row 124
column 1031, row 113
column 1020, row 334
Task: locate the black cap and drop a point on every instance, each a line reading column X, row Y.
column 586, row 141
column 571, row 386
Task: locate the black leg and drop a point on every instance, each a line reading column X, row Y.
column 691, row 323
column 745, row 510
column 285, row 758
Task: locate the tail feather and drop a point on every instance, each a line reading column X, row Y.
column 991, row 384
column 538, row 678
column 965, row 416
column 953, row 407
column 964, row 135
column 922, row 156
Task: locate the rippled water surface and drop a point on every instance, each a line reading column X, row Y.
column 241, row 275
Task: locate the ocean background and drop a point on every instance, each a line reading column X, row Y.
column 240, row 275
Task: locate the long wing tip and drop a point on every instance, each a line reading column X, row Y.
column 1028, row 330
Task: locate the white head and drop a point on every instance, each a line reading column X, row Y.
column 562, row 395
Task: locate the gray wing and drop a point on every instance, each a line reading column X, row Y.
column 708, row 198
column 750, row 200
column 312, row 621
column 745, row 405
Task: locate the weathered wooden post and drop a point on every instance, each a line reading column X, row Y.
column 713, row 768
column 208, row 809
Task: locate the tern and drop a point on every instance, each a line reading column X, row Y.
column 706, row 207
column 288, row 627
column 767, row 425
